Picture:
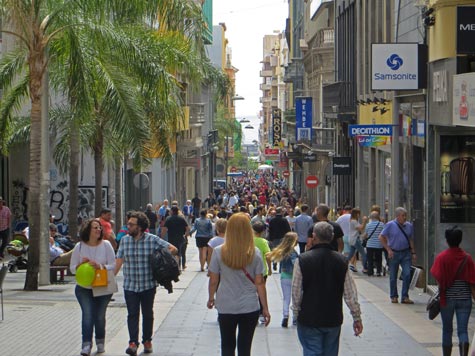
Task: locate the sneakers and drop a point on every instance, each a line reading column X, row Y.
column 132, row 349
column 147, row 346
column 86, row 349
column 285, row 322
column 353, row 268
column 100, row 346
column 407, row 301
column 394, row 300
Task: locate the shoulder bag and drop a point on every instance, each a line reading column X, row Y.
column 370, row 235
column 433, row 305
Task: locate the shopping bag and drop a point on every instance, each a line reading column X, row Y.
column 417, row 277
column 100, row 280
column 110, row 288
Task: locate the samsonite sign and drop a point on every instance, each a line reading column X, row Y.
column 397, row 66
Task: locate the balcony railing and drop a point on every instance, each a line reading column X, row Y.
column 265, row 73
column 325, row 38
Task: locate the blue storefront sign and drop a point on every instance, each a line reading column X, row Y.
column 370, row 130
column 303, row 118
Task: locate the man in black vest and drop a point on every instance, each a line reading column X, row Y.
column 320, row 281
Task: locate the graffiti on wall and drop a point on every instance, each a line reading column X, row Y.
column 58, row 204
column 19, row 205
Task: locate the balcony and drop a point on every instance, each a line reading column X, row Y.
column 325, row 38
column 266, row 73
column 265, row 86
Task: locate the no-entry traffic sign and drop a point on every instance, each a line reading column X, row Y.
column 311, row 181
column 286, row 174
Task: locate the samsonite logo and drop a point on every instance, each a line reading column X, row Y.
column 394, row 61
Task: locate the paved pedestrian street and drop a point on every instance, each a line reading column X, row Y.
column 47, row 322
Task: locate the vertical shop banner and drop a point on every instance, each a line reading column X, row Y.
column 457, row 179
column 465, row 29
column 303, row 118
column 464, row 100
column 276, row 127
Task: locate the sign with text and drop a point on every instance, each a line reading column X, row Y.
column 303, row 118
column 465, row 29
column 276, row 126
column 370, row 130
column 395, row 66
column 341, row 166
column 271, row 151
column 373, row 141
column 311, row 181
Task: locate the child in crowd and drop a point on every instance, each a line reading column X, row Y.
column 285, row 254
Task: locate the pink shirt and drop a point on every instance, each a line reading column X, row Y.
column 5, row 215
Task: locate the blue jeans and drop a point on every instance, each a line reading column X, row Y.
column 319, row 341
column 357, row 247
column 402, row 258
column 462, row 309
column 134, row 302
column 93, row 313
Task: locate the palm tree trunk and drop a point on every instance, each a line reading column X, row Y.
column 73, row 183
column 98, row 167
column 36, row 62
column 118, row 193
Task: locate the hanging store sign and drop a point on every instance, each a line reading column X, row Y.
column 276, row 126
column 370, row 130
column 465, row 30
column 303, row 118
column 464, row 100
column 398, row 66
column 341, row 166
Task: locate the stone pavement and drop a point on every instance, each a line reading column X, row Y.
column 47, row 322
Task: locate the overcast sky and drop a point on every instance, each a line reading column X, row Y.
column 247, row 21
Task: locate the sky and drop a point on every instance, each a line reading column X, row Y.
column 247, row 21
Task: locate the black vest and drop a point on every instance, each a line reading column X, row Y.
column 323, row 279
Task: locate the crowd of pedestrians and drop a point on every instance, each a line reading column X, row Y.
column 244, row 234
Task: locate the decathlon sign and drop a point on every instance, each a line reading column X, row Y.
column 370, row 130
column 396, row 66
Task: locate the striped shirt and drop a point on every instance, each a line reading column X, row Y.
column 459, row 290
column 136, row 254
column 350, row 294
column 373, row 229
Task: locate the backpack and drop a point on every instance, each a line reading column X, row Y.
column 164, row 268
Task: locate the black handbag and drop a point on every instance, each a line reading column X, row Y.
column 433, row 305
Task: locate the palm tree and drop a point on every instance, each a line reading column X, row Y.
column 39, row 26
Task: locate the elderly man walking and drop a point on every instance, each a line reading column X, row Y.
column 397, row 238
column 320, row 282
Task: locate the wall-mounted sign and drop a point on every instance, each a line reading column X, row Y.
column 276, row 126
column 373, row 141
column 465, row 29
column 439, row 86
column 464, row 100
column 398, row 66
column 271, row 151
column 303, row 118
column 370, row 130
column 341, row 166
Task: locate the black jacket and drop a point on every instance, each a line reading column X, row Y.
column 323, row 278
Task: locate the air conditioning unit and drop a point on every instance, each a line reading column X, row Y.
column 303, row 44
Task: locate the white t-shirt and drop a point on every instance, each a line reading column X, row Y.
column 344, row 222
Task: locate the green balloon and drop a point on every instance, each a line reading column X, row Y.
column 85, row 274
